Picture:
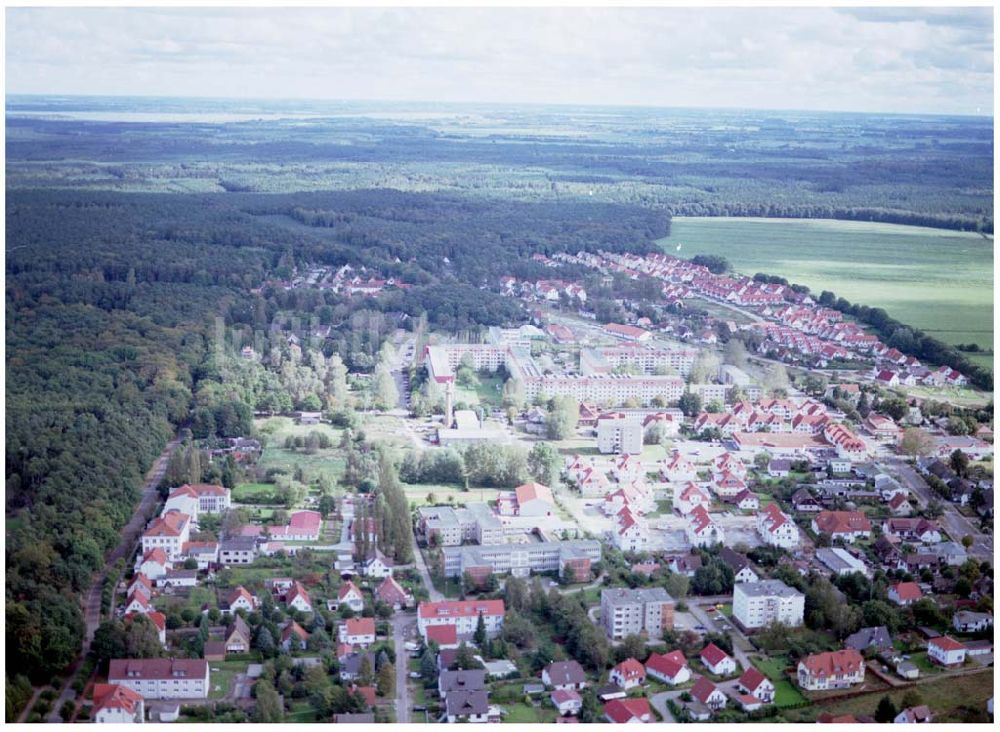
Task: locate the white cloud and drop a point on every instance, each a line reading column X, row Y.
column 875, row 59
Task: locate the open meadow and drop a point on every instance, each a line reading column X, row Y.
column 938, row 281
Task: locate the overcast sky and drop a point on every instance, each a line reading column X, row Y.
column 879, row 59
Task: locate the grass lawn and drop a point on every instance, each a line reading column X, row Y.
column 926, row 666
column 300, row 711
column 488, row 391
column 197, row 597
column 417, row 494
column 785, row 692
column 944, row 696
column 522, row 713
column 222, row 673
column 248, row 490
column 329, row 462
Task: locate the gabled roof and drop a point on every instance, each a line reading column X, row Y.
column 171, row 523
column 565, row 672
column 348, row 588
column 533, row 492
column 116, row 696
column 752, row 679
column 443, row 635
column 946, row 643
column 155, row 555
column 833, row 663
column 713, row 655
column 908, row 591
column 621, row 711
column 360, row 626
column 630, row 668
column 703, row 689
column 666, row 664
column 293, row 628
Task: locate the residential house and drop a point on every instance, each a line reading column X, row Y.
column 831, row 670
column 294, row 637
column 915, row 715
column 776, row 528
column 239, row 598
column 876, row 638
column 237, row 637
column 966, row 621
column 298, row 598
column 804, row 501
column 350, row 665
column 168, row 532
column 688, row 497
column 844, row 525
column 946, row 651
column 905, row 593
column 567, row 701
column 743, row 570
column 238, row 550
column 357, row 632
column 628, row 674
column 350, row 596
column 376, row 568
column 717, row 660
column 626, row 711
column 701, row 528
column 670, row 668
column 392, row 594
column 756, row 684
column 154, row 563
column 467, row 706
column 117, row 704
column 912, row 529
column 564, row 675
column 708, row 694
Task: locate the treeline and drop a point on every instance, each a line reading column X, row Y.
column 955, row 221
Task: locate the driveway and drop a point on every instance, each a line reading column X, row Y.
column 741, row 646
column 659, row 703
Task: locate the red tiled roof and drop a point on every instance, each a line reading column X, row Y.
column 666, row 664
column 908, row 591
column 946, row 643
column 630, row 669
column 443, row 635
column 116, row 696
column 460, row 608
column 752, row 679
column 703, row 689
column 622, row 711
column 713, row 655
column 360, row 626
column 833, row 663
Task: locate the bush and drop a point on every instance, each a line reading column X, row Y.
column 66, row 711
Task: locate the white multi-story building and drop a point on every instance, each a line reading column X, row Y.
column 758, row 604
column 447, row 526
column 631, row 612
column 168, row 532
column 831, row 670
column 619, row 434
column 776, row 528
column 162, row 678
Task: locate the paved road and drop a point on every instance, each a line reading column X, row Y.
column 130, row 537
column 741, row 646
column 418, row 560
column 952, row 521
column 402, row 626
column 659, row 703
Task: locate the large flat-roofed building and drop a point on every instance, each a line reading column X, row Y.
column 757, row 604
column 605, row 388
column 475, row 522
column 162, row 678
column 521, row 559
column 648, row 360
column 631, row 612
column 619, row 434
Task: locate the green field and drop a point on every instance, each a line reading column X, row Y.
column 939, row 281
column 329, row 461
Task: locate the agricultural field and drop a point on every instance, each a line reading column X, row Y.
column 939, row 281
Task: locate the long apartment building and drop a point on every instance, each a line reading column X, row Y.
column 601, row 388
column 648, row 360
column 522, row 559
column 162, row 678
column 758, row 604
column 448, row 526
column 631, row 612
column 462, row 614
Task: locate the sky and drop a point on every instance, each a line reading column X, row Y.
column 885, row 59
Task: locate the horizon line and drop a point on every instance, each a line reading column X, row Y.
column 8, row 95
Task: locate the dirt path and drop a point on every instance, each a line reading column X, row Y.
column 130, row 537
